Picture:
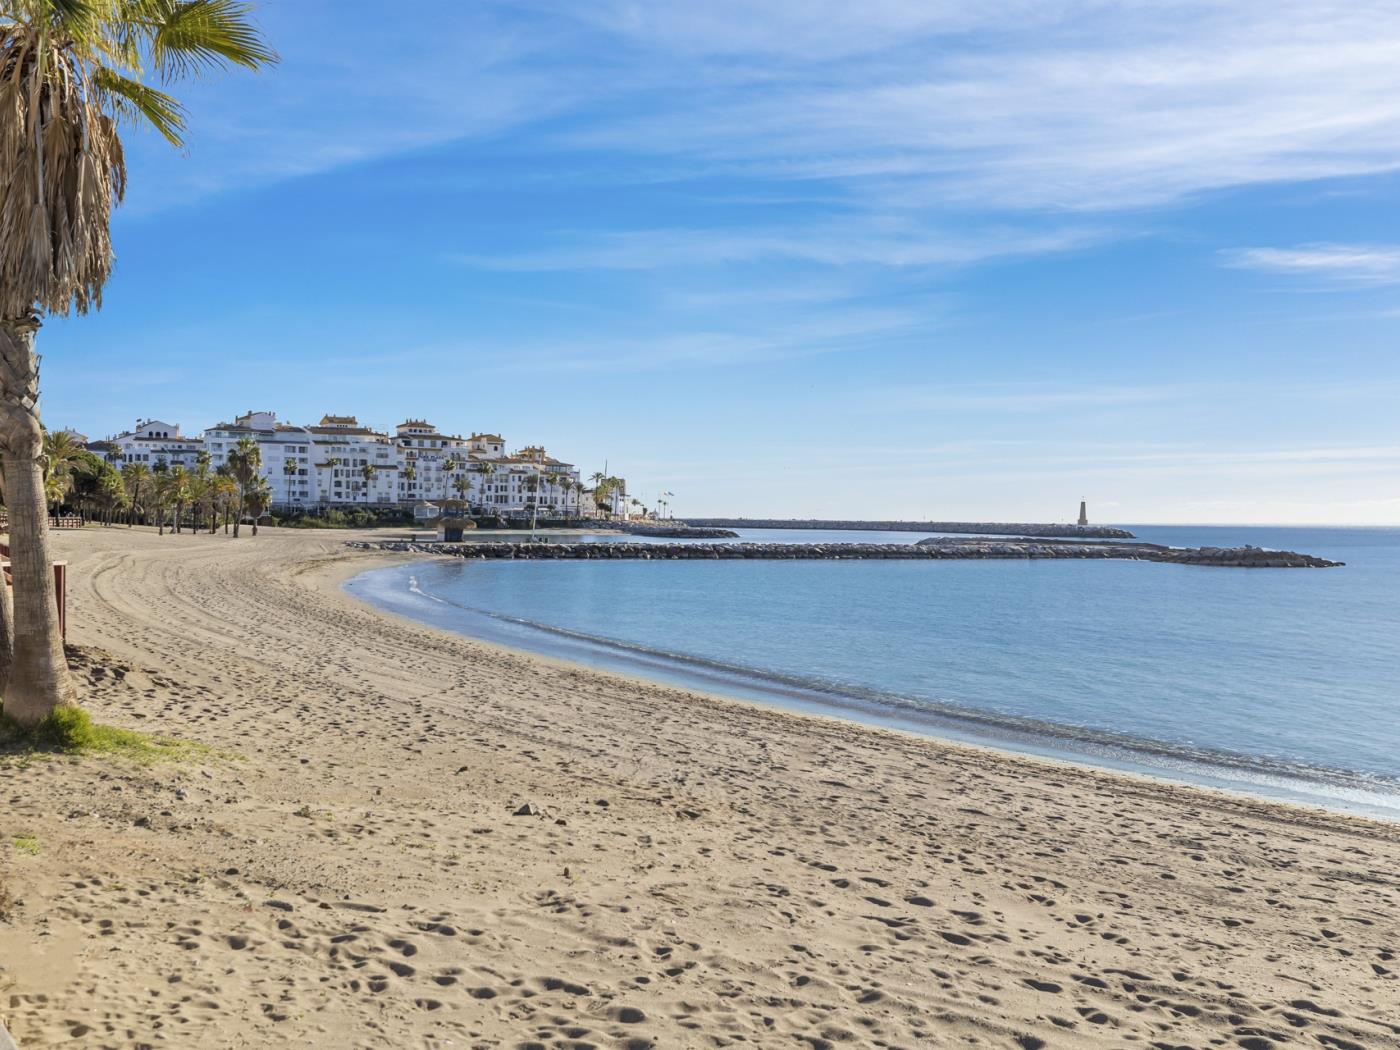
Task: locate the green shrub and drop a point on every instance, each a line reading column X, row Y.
column 71, row 731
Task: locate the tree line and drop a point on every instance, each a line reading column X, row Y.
column 171, row 497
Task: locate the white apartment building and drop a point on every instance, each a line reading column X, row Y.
column 157, row 444
column 341, row 462
column 286, row 454
column 354, row 464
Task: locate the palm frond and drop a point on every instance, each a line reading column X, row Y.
column 193, row 36
column 137, row 101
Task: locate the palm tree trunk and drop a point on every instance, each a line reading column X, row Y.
column 7, row 634
column 39, row 679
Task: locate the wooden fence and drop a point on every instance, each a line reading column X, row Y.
column 60, row 587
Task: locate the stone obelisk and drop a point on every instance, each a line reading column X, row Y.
column 1083, row 513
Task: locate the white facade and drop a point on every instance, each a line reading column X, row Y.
column 354, row 464
column 340, row 462
column 286, row 454
column 157, row 445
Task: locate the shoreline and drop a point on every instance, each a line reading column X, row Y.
column 1241, row 775
column 433, row 841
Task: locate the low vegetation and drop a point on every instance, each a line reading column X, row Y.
column 71, row 731
column 364, row 518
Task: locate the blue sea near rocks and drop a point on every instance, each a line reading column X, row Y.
column 1283, row 682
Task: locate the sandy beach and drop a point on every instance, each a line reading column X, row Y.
column 430, row 842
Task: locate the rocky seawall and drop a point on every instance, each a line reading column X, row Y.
column 926, row 550
column 974, row 528
column 678, row 530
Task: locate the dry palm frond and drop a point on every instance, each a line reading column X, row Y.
column 70, row 72
column 63, row 170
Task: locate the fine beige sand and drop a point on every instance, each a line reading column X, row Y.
column 695, row 872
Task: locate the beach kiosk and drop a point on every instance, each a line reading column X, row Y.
column 454, row 518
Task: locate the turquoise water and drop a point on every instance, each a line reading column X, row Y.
column 1279, row 682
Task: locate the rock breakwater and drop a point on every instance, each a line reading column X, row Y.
column 678, row 530
column 925, row 550
column 972, row 528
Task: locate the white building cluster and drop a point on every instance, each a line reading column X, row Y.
column 340, row 463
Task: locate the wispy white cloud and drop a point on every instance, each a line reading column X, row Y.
column 1015, row 399
column 849, row 330
column 1084, row 104
column 1079, row 105
column 847, row 242
column 1352, row 264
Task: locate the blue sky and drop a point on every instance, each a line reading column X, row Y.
column 895, row 259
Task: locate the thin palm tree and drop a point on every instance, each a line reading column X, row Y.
column 179, row 480
column 137, row 479
column 289, row 471
column 200, row 488
column 367, row 472
column 111, row 494
column 245, row 467
column 533, row 483
column 484, row 470
column 162, row 497
column 71, row 73
column 257, row 500
column 449, row 465
column 226, row 494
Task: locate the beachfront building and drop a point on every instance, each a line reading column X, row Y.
column 155, row 444
column 286, row 452
column 340, row 462
column 433, row 465
column 353, row 463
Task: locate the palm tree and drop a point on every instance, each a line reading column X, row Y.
column 448, row 466
column 257, row 500
column 57, row 485
column 289, row 471
column 485, row 470
column 225, row 495
column 71, row 72
column 178, row 478
column 162, row 497
column 111, row 494
column 533, row 484
column 137, row 479
column 201, row 489
column 61, row 454
column 461, row 483
column 201, row 496
column 366, row 472
column 245, row 467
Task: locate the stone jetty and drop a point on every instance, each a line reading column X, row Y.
column 971, row 528
column 672, row 530
column 940, row 548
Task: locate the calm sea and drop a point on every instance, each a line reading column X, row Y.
column 1278, row 682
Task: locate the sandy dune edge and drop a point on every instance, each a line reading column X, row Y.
column 699, row 873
